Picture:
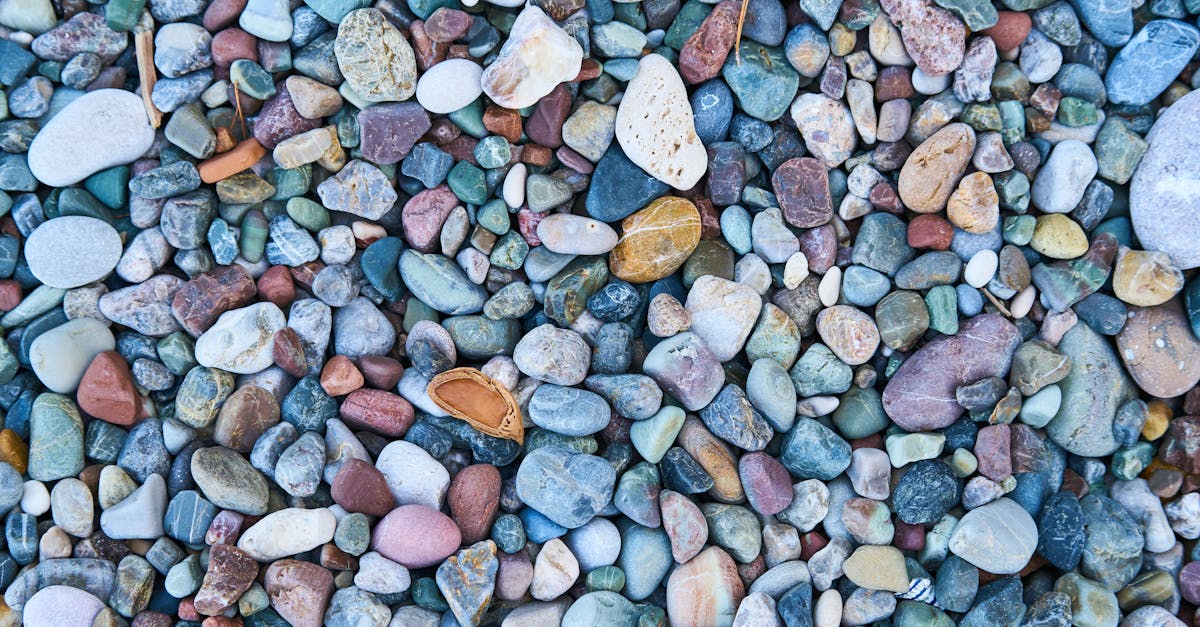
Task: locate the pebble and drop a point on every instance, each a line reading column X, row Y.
column 1154, row 192
column 102, row 129
column 96, row 248
column 363, row 37
column 536, row 57
column 654, row 125
column 449, row 86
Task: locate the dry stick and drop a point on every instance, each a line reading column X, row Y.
column 737, row 43
column 144, row 43
column 237, row 104
column 999, row 305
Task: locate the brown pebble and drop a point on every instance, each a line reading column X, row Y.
column 199, row 302
column 446, row 25
column 244, row 416
column 276, row 286
column 107, row 392
column 10, row 294
column 377, row 410
column 380, row 371
column 503, row 122
column 474, row 498
column 360, row 487
column 340, row 376
column 287, row 352
column 1010, row 30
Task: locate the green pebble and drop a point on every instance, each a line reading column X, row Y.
column 712, row 256
column 51, row 70
column 55, row 438
column 470, row 119
column 860, row 413
column 425, row 593
column 190, row 131
column 74, row 201
column 1118, row 150
column 418, row 311
column 254, row 236
column 353, row 534
column 1129, row 462
column 468, row 183
column 982, row 117
column 1012, row 121
column 494, row 217
column 1013, row 189
column 309, row 214
column 110, row 186
column 538, row 438
column 290, row 183
column 609, row 578
column 1018, row 230
column 493, row 151
column 630, row 13
column 123, row 15
column 942, row 302
column 509, row 252
column 177, row 352
column 687, row 21
column 251, row 79
column 253, row 600
column 1074, row 111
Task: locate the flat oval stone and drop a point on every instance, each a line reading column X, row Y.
column 1161, row 191
column 1159, row 349
column 60, row 605
column 440, row 283
column 72, row 251
column 1091, row 394
column 655, row 128
column 416, row 536
column 568, row 488
column 656, row 240
column 449, row 85
column 569, row 411
column 569, row 234
column 229, row 481
column 1145, row 66
column 920, row 396
column 98, row 130
column 287, row 532
column 931, row 173
column 999, row 537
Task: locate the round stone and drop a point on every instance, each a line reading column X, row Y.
column 72, row 251
column 98, row 130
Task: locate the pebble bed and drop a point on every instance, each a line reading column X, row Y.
column 592, row 313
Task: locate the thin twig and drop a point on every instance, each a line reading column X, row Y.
column 999, row 305
column 737, row 43
column 237, row 111
column 143, row 42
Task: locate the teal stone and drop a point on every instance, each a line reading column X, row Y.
column 103, row 442
column 1118, row 150
column 882, row 243
column 541, row 438
column 637, row 494
column 813, row 451
column 864, row 287
column 567, row 293
column 1129, row 462
column 477, row 337
column 1018, row 230
column 508, row 532
column 735, row 529
column 982, row 117
column 763, row 82
column 918, row 614
column 775, row 336
column 251, row 79
column 307, row 406
column 493, row 151
column 608, row 578
column 1012, row 114
column 1191, row 296
column 379, row 265
column 512, row 301
column 254, row 232
column 16, row 62
column 631, row 15
column 618, row 39
column 494, row 217
column 860, row 413
column 686, row 22
column 308, row 214
column 55, row 438
column 1074, row 111
column 601, row 607
column 335, row 10
column 416, row 311
column 425, row 594
column 6, row 202
column 290, row 183
column 736, row 226
column 645, row 557
column 621, row 69
column 134, row 583
column 441, row 283
column 976, row 14
column 51, row 70
column 110, row 186
column 942, row 302
column 428, row 164
column 653, row 436
column 509, row 252
column 468, row 183
column 819, row 372
column 123, row 15
column 74, row 201
column 822, row 12
column 469, row 119
column 39, row 301
column 222, row 242
column 185, row 577
column 177, row 352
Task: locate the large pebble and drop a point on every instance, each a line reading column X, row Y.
column 242, row 340
column 60, row 356
column 72, row 251
column 1161, row 191
column 655, row 128
column 536, row 57
column 999, row 537
column 98, row 130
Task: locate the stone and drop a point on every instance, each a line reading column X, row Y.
column 654, row 125
column 99, row 130
column 999, row 537
column 568, row 488
column 467, row 581
column 849, row 333
column 1170, row 42
column 685, row 368
column 1083, row 425
column 917, row 399
column 932, row 36
column 364, row 37
column 449, row 86
column 826, row 126
column 60, row 356
column 536, row 57
column 95, row 246
column 139, row 515
column 877, row 568
column 360, row 189
column 554, row 571
column 722, row 314
column 802, row 188
column 416, row 536
column 1155, row 190
column 705, row 591
column 1159, row 349
column 61, row 605
column 932, row 172
column 229, row 481
column 299, row 591
column 412, row 475
column 1145, row 279
column 287, row 532
column 656, row 241
column 241, row 340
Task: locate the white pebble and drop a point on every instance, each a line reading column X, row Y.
column 795, row 271
column 830, row 287
column 828, row 610
column 35, row 498
column 981, row 268
column 449, row 85
column 514, row 186
column 1023, row 302
column 929, row 85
